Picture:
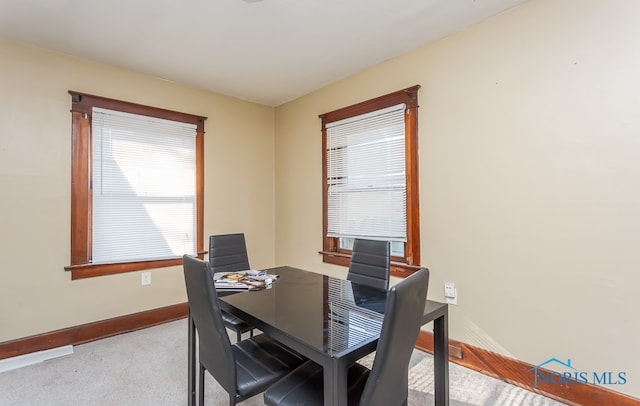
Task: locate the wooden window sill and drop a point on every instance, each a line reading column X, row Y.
column 398, row 269
column 82, row 271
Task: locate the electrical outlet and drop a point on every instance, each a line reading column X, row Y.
column 145, row 278
column 449, row 290
column 450, row 293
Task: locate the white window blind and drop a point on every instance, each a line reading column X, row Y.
column 366, row 176
column 144, row 187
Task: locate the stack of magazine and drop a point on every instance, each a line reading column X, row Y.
column 243, row 280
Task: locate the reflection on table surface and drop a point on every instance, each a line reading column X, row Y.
column 326, row 313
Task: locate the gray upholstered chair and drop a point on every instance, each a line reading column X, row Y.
column 369, row 263
column 386, row 384
column 244, row 369
column 228, row 253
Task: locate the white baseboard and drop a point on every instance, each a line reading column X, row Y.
column 33, row 358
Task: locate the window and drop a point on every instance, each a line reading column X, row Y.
column 136, row 186
column 370, row 178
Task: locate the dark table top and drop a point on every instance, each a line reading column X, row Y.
column 330, row 315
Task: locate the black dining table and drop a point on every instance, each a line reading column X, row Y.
column 331, row 321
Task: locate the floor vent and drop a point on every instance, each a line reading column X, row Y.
column 34, row 358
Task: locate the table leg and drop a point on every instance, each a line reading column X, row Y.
column 191, row 361
column 335, row 383
column 441, row 359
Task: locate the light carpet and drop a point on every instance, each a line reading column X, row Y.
column 149, row 367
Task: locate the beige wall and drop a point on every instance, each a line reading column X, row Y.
column 529, row 174
column 36, row 294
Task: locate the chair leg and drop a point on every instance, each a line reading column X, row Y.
column 238, row 336
column 201, row 386
column 232, row 400
column 251, row 333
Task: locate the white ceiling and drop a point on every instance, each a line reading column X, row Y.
column 265, row 51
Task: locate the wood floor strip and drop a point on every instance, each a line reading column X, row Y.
column 487, row 362
column 521, row 374
column 92, row 331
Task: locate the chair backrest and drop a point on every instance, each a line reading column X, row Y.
column 215, row 347
column 370, row 263
column 389, row 378
column 228, row 253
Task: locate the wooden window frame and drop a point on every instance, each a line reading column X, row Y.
column 400, row 266
column 82, row 105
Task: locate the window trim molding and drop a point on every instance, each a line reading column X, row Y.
column 82, row 105
column 401, row 267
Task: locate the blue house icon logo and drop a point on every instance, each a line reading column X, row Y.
column 572, row 376
column 548, row 378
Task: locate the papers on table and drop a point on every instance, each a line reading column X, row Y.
column 243, row 280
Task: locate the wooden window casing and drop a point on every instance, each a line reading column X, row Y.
column 410, row 262
column 81, row 197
